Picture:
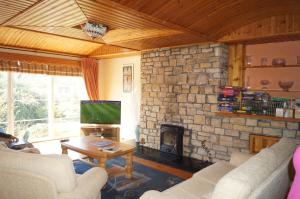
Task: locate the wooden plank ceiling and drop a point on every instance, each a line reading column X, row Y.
column 52, row 25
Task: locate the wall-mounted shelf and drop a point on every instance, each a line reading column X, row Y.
column 274, row 90
column 262, row 117
column 272, row 66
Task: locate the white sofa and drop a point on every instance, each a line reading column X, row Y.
column 36, row 176
column 262, row 176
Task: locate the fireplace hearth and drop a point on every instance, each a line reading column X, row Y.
column 171, row 137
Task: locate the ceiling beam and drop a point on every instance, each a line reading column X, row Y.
column 107, row 50
column 50, row 33
column 64, row 36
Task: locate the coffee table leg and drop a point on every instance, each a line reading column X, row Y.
column 91, row 159
column 128, row 166
column 102, row 162
column 64, row 150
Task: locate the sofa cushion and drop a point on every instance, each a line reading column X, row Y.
column 283, row 149
column 276, row 185
column 18, row 184
column 191, row 188
column 240, row 182
column 214, row 173
column 58, row 168
column 238, row 158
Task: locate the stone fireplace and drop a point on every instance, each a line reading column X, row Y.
column 171, row 137
column 180, row 87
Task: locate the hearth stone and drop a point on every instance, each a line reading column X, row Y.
column 184, row 163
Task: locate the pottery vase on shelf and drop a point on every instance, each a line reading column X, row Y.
column 264, row 61
column 264, row 83
column 286, row 85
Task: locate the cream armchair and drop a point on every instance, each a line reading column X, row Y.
column 35, row 176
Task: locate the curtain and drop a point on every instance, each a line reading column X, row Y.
column 90, row 75
column 39, row 68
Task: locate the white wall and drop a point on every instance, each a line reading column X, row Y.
column 111, row 88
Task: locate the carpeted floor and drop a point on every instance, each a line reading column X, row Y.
column 144, row 179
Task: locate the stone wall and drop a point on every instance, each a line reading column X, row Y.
column 179, row 86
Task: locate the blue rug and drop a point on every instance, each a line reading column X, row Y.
column 144, row 179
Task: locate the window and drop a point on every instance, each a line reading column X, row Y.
column 67, row 92
column 30, row 104
column 45, row 106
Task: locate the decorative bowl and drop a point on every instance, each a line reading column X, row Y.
column 264, row 83
column 286, row 85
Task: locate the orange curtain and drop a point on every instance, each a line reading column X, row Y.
column 90, row 75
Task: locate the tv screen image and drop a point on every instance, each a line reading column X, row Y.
column 100, row 112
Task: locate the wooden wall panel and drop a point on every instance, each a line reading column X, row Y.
column 235, row 64
column 277, row 28
column 246, row 12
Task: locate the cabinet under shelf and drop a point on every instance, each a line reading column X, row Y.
column 107, row 131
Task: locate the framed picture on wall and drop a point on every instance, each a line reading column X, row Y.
column 127, row 78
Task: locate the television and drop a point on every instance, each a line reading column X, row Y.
column 100, row 112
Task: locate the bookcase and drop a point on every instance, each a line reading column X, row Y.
column 107, row 131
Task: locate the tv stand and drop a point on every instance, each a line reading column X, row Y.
column 107, row 131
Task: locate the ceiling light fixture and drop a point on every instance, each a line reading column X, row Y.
column 94, row 30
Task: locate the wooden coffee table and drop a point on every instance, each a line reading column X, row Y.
column 85, row 145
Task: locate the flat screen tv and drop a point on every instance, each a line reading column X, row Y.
column 100, row 112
